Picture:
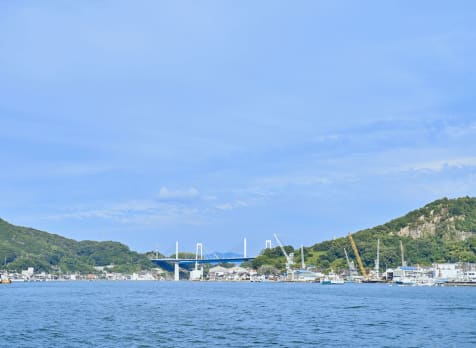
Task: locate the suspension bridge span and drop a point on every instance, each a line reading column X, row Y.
column 199, row 259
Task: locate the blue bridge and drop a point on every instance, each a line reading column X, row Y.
column 201, row 261
column 164, row 262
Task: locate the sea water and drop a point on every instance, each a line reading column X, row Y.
column 221, row 314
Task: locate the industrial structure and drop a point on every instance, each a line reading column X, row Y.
column 357, row 256
column 289, row 258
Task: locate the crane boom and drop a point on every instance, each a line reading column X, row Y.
column 281, row 246
column 348, row 261
column 289, row 257
column 357, row 256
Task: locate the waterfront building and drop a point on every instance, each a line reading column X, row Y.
column 303, row 275
column 461, row 271
column 234, row 273
column 412, row 275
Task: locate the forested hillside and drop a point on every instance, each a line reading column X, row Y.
column 442, row 231
column 22, row 247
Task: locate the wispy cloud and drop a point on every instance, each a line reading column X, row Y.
column 170, row 209
column 112, row 211
column 232, row 205
column 439, row 165
column 459, row 131
column 170, row 194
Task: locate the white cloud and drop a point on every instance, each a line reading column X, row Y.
column 231, row 205
column 439, row 165
column 461, row 131
column 138, row 212
column 112, row 211
column 170, row 207
column 168, row 194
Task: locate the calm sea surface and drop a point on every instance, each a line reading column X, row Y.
column 186, row 314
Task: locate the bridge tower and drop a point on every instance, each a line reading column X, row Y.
column 197, row 274
column 267, row 244
column 176, row 264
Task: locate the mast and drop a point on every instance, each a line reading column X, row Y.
column 303, row 265
column 401, row 251
column 377, row 261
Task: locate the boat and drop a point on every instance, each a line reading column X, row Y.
column 373, row 281
column 406, row 281
column 327, row 281
column 337, row 281
column 5, row 280
column 332, row 279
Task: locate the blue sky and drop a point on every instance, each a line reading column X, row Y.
column 148, row 122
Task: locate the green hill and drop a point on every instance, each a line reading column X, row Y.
column 442, row 231
column 22, row 247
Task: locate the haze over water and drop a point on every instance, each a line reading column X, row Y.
column 182, row 314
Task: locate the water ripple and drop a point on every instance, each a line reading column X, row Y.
column 168, row 314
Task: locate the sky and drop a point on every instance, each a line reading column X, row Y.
column 147, row 122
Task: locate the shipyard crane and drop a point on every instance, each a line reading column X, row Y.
column 289, row 257
column 351, row 264
column 357, row 256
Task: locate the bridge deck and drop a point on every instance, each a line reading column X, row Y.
column 192, row 261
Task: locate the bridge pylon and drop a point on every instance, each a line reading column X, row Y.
column 176, row 264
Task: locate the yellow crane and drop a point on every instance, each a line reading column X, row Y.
column 357, row 256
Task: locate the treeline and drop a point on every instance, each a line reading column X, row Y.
column 330, row 254
column 22, row 247
column 448, row 218
column 443, row 231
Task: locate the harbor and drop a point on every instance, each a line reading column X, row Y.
column 238, row 269
column 445, row 274
column 438, row 274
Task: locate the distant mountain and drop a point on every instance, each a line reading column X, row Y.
column 442, row 231
column 222, row 255
column 22, row 247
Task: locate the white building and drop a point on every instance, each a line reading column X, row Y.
column 234, row 273
column 196, row 274
column 455, row 271
column 448, row 271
